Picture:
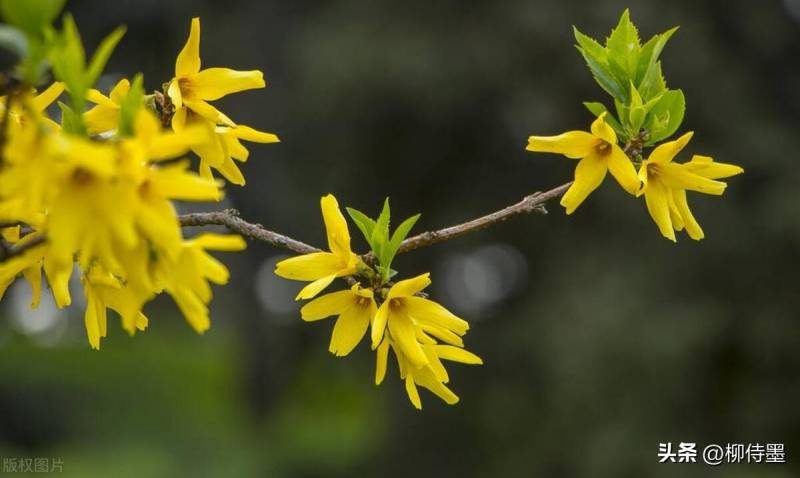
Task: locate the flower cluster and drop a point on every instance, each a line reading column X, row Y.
column 647, row 113
column 420, row 332
column 662, row 182
column 95, row 192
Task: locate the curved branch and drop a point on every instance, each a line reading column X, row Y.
column 8, row 251
column 529, row 204
column 230, row 219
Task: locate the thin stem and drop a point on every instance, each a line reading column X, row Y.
column 230, row 218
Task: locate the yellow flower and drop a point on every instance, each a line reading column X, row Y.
column 28, row 264
column 432, row 375
column 103, row 291
column 33, row 103
column 323, row 267
column 192, row 88
column 664, row 185
column 186, row 280
column 222, row 145
column 105, row 116
column 409, row 318
column 355, row 308
column 598, row 152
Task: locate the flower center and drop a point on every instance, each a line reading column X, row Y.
column 602, row 147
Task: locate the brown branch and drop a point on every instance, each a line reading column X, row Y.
column 532, row 203
column 8, row 251
column 230, row 219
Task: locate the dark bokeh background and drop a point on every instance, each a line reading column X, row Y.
column 601, row 339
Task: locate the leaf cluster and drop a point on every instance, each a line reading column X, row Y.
column 376, row 232
column 631, row 73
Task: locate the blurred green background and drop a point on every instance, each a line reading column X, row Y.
column 600, row 338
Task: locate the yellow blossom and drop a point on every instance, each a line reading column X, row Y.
column 33, row 103
column 355, row 309
column 408, row 318
column 222, row 146
column 27, row 264
column 186, row 280
column 323, row 267
column 105, row 116
column 103, row 291
column 192, row 87
column 664, row 185
column 598, row 152
column 432, row 375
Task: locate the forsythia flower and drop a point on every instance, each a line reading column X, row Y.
column 36, row 104
column 407, row 316
column 664, row 185
column 108, row 206
column 432, row 376
column 192, row 88
column 323, row 267
column 105, row 116
column 405, row 322
column 598, row 152
column 355, row 309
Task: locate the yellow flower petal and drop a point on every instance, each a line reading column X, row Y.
column 691, row 224
column 413, row 394
column 622, row 169
column 572, row 144
column 48, row 96
column 589, row 175
column 456, row 354
column 249, row 134
column 350, row 329
column 327, row 305
column 219, row 242
column 409, row 287
column 309, row 267
column 379, row 324
column 335, row 227
column 676, row 176
column 188, row 62
column 656, row 199
column 207, row 111
column 706, row 167
column 314, row 288
column 176, row 97
column 405, row 338
column 602, row 130
column 214, row 83
column 422, row 309
column 664, row 153
column 380, row 361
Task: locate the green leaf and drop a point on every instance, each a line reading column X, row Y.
column 666, row 116
column 650, row 53
column 13, row 39
column 391, row 248
column 130, row 106
column 653, row 83
column 623, row 45
column 363, row 223
column 31, row 15
column 380, row 234
column 71, row 122
column 636, row 112
column 102, row 54
column 597, row 109
column 596, row 57
column 401, row 233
